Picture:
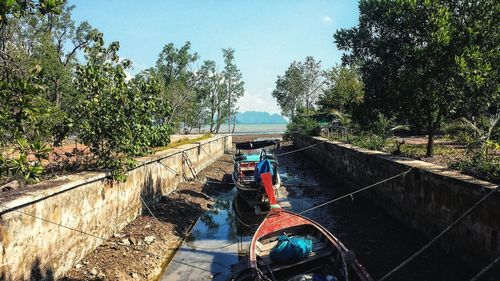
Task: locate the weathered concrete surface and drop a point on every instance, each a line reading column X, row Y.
column 427, row 199
column 32, row 248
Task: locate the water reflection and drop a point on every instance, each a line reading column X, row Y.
column 212, row 246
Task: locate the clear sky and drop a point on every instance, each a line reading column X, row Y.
column 266, row 35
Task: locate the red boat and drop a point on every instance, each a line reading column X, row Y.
column 329, row 257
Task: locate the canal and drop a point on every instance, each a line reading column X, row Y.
column 379, row 241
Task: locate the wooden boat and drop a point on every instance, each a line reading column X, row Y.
column 328, row 256
column 244, row 164
column 246, row 214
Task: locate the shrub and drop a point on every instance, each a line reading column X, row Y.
column 480, row 166
column 302, row 126
column 373, row 142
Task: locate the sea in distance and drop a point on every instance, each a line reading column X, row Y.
column 257, row 129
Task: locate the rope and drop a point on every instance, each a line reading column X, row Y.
column 440, row 234
column 207, row 153
column 355, row 192
column 103, row 239
column 300, row 149
column 168, row 168
column 486, row 269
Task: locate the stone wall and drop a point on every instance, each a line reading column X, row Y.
column 33, row 248
column 427, row 199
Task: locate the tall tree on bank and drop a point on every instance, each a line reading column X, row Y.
column 312, row 79
column 299, row 87
column 173, row 67
column 289, row 90
column 343, row 90
column 233, row 84
column 413, row 55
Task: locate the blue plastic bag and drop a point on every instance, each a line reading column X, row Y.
column 263, row 166
column 290, row 250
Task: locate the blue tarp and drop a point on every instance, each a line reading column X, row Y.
column 263, row 166
column 250, row 158
column 290, row 250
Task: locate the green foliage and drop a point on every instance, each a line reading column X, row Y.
column 233, row 85
column 369, row 141
column 299, row 88
column 385, row 127
column 344, row 90
column 19, row 166
column 25, row 112
column 480, row 166
column 422, row 61
column 301, row 126
column 115, row 119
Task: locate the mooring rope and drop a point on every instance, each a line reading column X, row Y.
column 300, row 149
column 486, row 269
column 355, row 192
column 104, row 239
column 405, row 262
column 168, row 168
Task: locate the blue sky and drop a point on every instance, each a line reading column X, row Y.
column 266, row 35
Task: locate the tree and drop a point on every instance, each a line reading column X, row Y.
column 117, row 119
column 299, row 87
column 311, row 72
column 173, row 68
column 344, row 89
column 289, row 90
column 234, row 86
column 412, row 56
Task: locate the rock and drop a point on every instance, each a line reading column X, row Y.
column 118, row 235
column 134, row 275
column 93, row 272
column 125, row 241
column 147, row 226
column 85, row 262
column 149, row 239
column 101, row 275
column 13, row 185
column 139, row 243
column 78, row 266
column 133, row 240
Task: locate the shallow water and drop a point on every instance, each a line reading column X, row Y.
column 379, row 241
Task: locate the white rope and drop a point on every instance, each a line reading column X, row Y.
column 168, row 168
column 355, row 192
column 440, row 234
column 300, row 149
column 104, row 239
column 486, row 269
column 209, row 155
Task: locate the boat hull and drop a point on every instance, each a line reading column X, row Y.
column 327, row 249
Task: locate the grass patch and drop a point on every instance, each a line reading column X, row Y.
column 181, row 142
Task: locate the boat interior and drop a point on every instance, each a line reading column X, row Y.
column 325, row 257
column 246, row 169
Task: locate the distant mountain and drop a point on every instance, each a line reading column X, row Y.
column 258, row 117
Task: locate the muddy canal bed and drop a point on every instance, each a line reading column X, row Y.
column 379, row 242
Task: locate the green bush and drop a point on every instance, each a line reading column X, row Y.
column 117, row 119
column 487, row 168
column 302, row 126
column 373, row 142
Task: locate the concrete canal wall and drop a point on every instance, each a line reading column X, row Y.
column 427, row 199
column 32, row 249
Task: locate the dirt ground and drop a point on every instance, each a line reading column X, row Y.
column 142, row 248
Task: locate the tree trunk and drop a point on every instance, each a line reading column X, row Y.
column 432, row 130
column 430, row 145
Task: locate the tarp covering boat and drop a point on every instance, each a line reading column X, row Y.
column 249, row 145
